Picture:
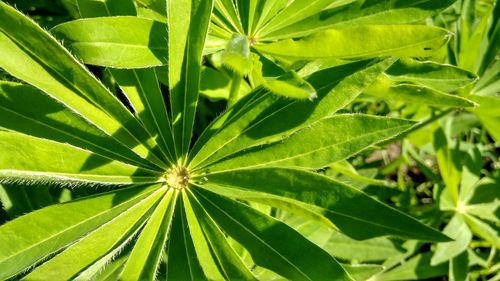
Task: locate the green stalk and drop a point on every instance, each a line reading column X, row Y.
column 235, row 89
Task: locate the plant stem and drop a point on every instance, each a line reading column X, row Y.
column 235, row 89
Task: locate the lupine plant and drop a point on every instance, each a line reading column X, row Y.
column 167, row 203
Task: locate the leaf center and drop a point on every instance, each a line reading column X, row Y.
column 177, row 177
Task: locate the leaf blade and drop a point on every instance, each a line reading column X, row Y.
column 252, row 228
column 74, row 220
column 337, row 199
column 118, row 42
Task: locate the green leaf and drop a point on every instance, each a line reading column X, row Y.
column 441, row 77
column 352, row 211
column 459, row 267
column 361, row 42
column 119, row 42
column 387, row 89
column 142, row 89
column 112, row 270
column 483, row 230
column 236, row 55
column 183, row 263
column 144, row 259
column 294, row 12
column 416, row 268
column 263, row 237
column 98, row 8
column 230, row 263
column 375, row 249
column 31, row 54
column 32, row 159
column 29, row 111
column 201, row 245
column 258, row 118
column 361, row 12
column 30, row 238
column 326, row 141
column 96, row 244
column 363, row 271
column 449, row 164
column 159, row 6
column 459, row 231
column 267, row 10
column 290, row 85
column 488, row 113
column 187, row 28
column 225, row 10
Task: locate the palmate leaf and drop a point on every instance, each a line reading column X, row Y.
column 173, row 219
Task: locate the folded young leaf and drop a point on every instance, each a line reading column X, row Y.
column 263, row 237
column 31, row 54
column 28, row 110
column 352, row 211
column 98, row 243
column 278, row 81
column 360, row 12
column 119, row 42
column 26, row 158
column 441, row 77
column 30, row 238
column 321, row 143
column 362, row 42
column 290, row 85
column 236, row 55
